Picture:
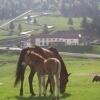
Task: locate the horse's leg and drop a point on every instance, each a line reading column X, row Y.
column 48, row 81
column 58, row 84
column 53, row 84
column 40, row 84
column 44, row 87
column 30, row 82
column 22, row 81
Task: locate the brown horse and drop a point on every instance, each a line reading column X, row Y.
column 43, row 66
column 96, row 78
column 46, row 53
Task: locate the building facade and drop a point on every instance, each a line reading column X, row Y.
column 56, row 39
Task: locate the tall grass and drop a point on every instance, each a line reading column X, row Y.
column 80, row 86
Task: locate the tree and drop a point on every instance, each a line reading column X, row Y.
column 44, row 6
column 63, row 8
column 70, row 21
column 19, row 28
column 35, row 21
column 29, row 19
column 11, row 27
column 96, row 25
column 45, row 28
column 84, row 23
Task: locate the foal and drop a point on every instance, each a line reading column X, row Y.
column 50, row 67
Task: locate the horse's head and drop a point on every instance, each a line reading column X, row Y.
column 68, row 77
column 96, row 78
column 64, row 81
column 93, row 80
column 26, row 60
column 33, row 58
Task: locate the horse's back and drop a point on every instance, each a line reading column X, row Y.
column 52, row 65
column 52, row 61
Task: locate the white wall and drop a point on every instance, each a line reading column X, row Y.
column 72, row 42
column 47, row 41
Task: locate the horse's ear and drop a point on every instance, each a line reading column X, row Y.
column 33, row 46
column 69, row 74
column 32, row 52
column 28, row 52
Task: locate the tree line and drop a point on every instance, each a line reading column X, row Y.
column 73, row 8
column 67, row 8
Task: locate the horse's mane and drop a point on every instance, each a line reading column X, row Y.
column 39, row 50
column 59, row 57
column 53, row 49
column 35, row 56
column 19, row 65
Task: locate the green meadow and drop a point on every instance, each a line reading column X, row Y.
column 80, row 86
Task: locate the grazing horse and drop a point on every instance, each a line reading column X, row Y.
column 96, row 78
column 46, row 53
column 43, row 66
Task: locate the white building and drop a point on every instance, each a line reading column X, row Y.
column 58, row 39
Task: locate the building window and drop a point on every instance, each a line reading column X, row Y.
column 61, row 40
column 49, row 39
column 41, row 39
column 71, row 40
column 41, row 43
column 53, row 39
column 58, row 39
column 45, row 39
column 45, row 44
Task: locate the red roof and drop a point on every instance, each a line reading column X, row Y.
column 58, row 34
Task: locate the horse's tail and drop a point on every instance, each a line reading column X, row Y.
column 19, row 69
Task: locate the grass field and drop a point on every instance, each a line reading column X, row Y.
column 80, row 86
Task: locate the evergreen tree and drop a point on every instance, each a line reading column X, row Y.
column 29, row 19
column 11, row 27
column 19, row 28
column 35, row 21
column 96, row 25
column 70, row 21
column 63, row 8
column 84, row 23
column 45, row 29
column 44, row 6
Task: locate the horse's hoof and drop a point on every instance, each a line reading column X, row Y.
column 44, row 94
column 33, row 94
column 54, row 98
column 51, row 91
column 21, row 94
column 39, row 95
column 57, row 98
